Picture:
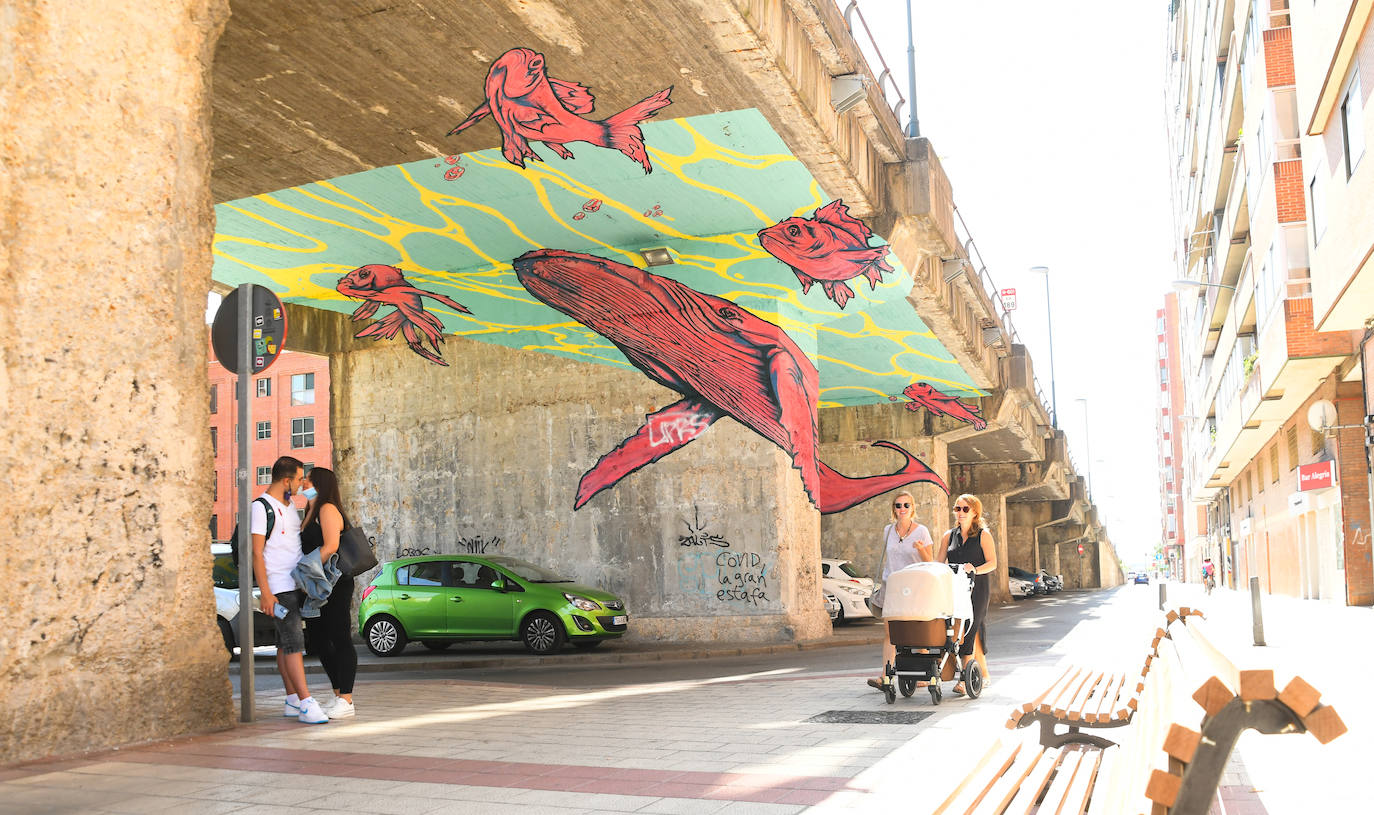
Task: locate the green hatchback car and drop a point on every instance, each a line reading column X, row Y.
column 442, row 599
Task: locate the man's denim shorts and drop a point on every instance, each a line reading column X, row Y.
column 290, row 637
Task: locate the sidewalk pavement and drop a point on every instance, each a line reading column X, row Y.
column 773, row 742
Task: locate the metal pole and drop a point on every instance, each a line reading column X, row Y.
column 1087, row 440
column 245, row 541
column 1256, row 616
column 1163, row 595
column 913, row 124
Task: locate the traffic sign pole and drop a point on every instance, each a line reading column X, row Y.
column 245, row 541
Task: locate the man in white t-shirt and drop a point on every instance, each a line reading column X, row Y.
column 274, row 556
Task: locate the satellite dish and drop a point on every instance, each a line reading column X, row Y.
column 1321, row 415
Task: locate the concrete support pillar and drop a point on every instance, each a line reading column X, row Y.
column 105, row 227
column 715, row 541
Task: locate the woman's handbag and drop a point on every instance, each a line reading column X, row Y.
column 355, row 552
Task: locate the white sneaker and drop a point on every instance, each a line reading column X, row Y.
column 311, row 713
column 292, row 710
column 340, row 709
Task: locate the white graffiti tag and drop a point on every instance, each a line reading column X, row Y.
column 677, row 430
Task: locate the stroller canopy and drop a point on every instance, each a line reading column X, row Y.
column 926, row 591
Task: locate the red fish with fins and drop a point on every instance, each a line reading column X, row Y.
column 925, row 396
column 529, row 105
column 382, row 285
column 831, row 246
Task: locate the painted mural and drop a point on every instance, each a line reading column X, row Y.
column 528, row 106
column 923, row 395
column 380, row 285
column 831, row 246
column 722, row 359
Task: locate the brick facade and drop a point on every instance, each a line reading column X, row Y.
column 1305, row 341
column 1278, row 57
column 1289, row 193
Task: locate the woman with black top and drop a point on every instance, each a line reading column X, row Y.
column 330, row 636
column 970, row 543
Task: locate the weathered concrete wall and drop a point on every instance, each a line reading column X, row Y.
column 105, row 226
column 715, row 541
column 1022, row 518
column 846, row 436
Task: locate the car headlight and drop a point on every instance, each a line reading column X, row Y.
column 857, row 592
column 582, row 602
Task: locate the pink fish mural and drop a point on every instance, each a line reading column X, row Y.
column 529, row 105
column 382, row 285
column 925, row 396
column 830, row 247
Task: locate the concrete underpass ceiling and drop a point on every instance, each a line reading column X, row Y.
column 330, row 138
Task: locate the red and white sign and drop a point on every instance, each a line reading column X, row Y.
column 1317, row 476
column 1008, row 299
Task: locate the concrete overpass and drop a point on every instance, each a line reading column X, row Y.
column 331, row 151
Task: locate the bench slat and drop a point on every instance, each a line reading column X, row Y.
column 1300, row 697
column 1034, row 784
column 1085, row 691
column 1163, row 787
column 1106, row 701
column 1076, row 799
column 1257, row 685
column 1214, row 677
column 1065, row 701
column 1000, row 793
column 1051, row 698
column 1069, row 759
column 1182, row 742
column 975, row 785
column 1324, row 723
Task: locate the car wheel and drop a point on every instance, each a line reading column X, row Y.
column 542, row 633
column 384, row 636
column 587, row 645
column 839, row 617
column 227, row 632
column 436, row 645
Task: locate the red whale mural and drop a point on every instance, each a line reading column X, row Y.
column 529, row 105
column 832, row 247
column 722, row 359
column 382, row 285
column 925, row 396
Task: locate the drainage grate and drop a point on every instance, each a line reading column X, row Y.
column 870, row 716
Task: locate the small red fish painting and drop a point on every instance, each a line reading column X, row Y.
column 831, row 246
column 939, row 404
column 529, row 105
column 382, row 285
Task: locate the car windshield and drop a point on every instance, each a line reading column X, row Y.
column 528, row 571
column 848, row 569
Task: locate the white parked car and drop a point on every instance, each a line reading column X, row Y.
column 851, row 589
column 1019, row 587
column 227, row 603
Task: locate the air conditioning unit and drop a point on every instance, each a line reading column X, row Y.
column 847, row 91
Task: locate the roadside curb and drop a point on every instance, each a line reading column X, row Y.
column 875, row 635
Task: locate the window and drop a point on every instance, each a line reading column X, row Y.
column 265, row 386
column 1292, row 447
column 1318, row 440
column 302, row 389
column 214, row 442
column 214, row 527
column 1352, row 125
column 264, row 429
column 264, row 475
column 1163, row 375
column 1259, row 472
column 429, row 573
column 1250, row 485
column 1274, row 463
column 214, row 399
column 308, row 466
column 302, row 432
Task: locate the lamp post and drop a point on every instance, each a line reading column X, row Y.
column 914, row 124
column 1049, row 326
column 1088, row 442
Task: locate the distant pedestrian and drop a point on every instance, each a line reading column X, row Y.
column 904, row 542
column 275, row 554
column 330, row 635
column 970, row 544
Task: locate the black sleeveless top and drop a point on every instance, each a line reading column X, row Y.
column 312, row 536
column 959, row 550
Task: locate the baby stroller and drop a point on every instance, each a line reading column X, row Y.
column 928, row 611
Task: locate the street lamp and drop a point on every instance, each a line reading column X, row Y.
column 1049, row 326
column 1088, row 442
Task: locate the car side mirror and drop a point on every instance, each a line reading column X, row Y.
column 499, row 584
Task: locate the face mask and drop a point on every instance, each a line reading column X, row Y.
column 310, row 493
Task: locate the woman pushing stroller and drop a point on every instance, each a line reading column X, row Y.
column 970, row 543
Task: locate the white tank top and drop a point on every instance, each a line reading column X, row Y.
column 901, row 551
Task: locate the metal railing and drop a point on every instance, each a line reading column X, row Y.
column 873, row 57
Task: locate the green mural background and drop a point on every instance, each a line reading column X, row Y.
column 453, row 225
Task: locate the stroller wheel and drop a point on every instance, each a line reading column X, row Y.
column 935, row 693
column 890, row 690
column 973, row 680
column 907, row 685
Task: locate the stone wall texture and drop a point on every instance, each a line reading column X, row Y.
column 105, row 226
column 715, row 541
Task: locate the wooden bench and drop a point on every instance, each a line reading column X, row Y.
column 1194, row 705
column 1082, row 697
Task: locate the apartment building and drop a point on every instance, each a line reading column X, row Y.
column 1169, row 428
column 1272, row 215
column 290, row 416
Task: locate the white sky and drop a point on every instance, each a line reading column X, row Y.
column 1049, row 120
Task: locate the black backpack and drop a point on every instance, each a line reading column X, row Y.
column 271, row 522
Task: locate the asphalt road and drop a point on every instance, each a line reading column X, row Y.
column 1022, row 633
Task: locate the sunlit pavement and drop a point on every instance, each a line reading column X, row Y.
column 667, row 739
